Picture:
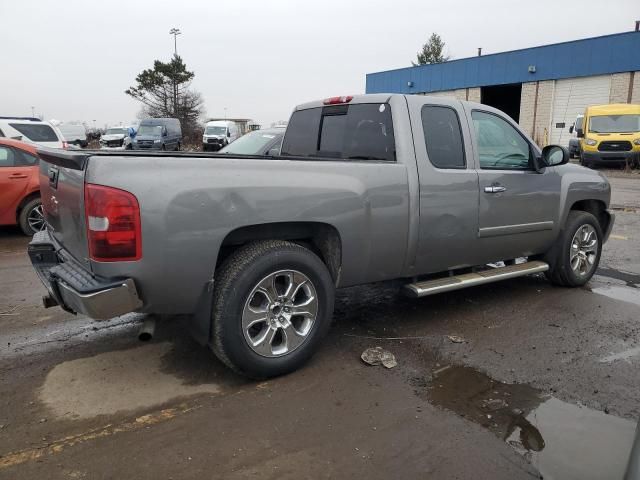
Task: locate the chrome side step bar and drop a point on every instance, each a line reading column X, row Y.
column 457, row 282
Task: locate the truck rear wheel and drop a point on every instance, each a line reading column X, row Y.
column 575, row 256
column 273, row 303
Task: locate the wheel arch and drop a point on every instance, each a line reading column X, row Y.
column 595, row 207
column 321, row 238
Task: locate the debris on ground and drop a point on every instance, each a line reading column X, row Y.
column 456, row 339
column 379, row 356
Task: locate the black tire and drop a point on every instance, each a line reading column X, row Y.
column 235, row 280
column 27, row 213
column 583, row 161
column 560, row 271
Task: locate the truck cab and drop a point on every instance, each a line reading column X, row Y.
column 610, row 134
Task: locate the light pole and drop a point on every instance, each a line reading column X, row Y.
column 33, row 112
column 175, row 32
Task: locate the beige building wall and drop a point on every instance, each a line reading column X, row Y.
column 635, row 93
column 536, row 104
column 619, row 87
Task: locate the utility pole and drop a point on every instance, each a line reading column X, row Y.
column 175, row 32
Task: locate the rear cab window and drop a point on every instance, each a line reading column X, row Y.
column 443, row 137
column 361, row 131
column 36, row 132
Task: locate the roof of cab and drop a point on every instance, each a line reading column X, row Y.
column 614, row 109
column 366, row 98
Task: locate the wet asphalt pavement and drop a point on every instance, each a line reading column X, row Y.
column 512, row 380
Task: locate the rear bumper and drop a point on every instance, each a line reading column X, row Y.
column 610, row 156
column 74, row 288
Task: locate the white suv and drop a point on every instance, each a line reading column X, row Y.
column 31, row 130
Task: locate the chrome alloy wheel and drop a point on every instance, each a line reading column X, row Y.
column 36, row 219
column 584, row 250
column 279, row 313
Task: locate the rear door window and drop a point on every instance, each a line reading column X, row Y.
column 7, row 157
column 36, row 132
column 443, row 137
column 348, row 132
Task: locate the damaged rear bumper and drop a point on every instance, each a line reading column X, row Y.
column 76, row 289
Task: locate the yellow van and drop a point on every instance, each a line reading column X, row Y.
column 610, row 133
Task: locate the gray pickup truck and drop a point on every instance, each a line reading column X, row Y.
column 434, row 193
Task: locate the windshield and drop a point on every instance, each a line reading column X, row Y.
column 37, row 132
column 154, row 130
column 252, row 143
column 614, row 123
column 216, row 131
column 115, row 131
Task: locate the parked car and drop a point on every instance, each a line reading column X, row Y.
column 430, row 192
column 258, row 142
column 31, row 130
column 574, row 141
column 611, row 133
column 219, row 133
column 158, row 134
column 74, row 134
column 117, row 138
column 19, row 186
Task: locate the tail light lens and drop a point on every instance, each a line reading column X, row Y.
column 338, row 100
column 113, row 224
column 65, row 145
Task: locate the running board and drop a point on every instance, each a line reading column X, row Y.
column 457, row 282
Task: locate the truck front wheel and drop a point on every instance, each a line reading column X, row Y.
column 273, row 303
column 576, row 254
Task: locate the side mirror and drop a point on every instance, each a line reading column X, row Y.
column 554, row 155
column 228, row 134
column 571, row 129
column 164, row 132
column 273, row 152
column 580, row 132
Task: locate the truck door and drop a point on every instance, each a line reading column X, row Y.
column 518, row 207
column 448, row 184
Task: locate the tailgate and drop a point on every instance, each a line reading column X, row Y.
column 62, row 190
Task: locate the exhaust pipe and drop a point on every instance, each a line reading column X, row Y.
column 147, row 330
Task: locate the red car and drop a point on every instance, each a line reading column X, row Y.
column 19, row 186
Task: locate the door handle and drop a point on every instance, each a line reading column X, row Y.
column 495, row 189
column 17, row 175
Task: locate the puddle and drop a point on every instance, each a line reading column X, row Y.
column 562, row 440
column 619, row 292
column 115, row 381
column 625, row 355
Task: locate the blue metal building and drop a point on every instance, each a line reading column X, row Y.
column 543, row 88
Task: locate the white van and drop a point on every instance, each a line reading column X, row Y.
column 219, row 133
column 74, row 134
column 31, row 130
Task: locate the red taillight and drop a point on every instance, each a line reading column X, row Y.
column 338, row 100
column 65, row 145
column 113, row 224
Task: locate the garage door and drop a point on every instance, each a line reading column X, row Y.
column 570, row 98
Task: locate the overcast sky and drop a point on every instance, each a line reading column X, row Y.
column 72, row 60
